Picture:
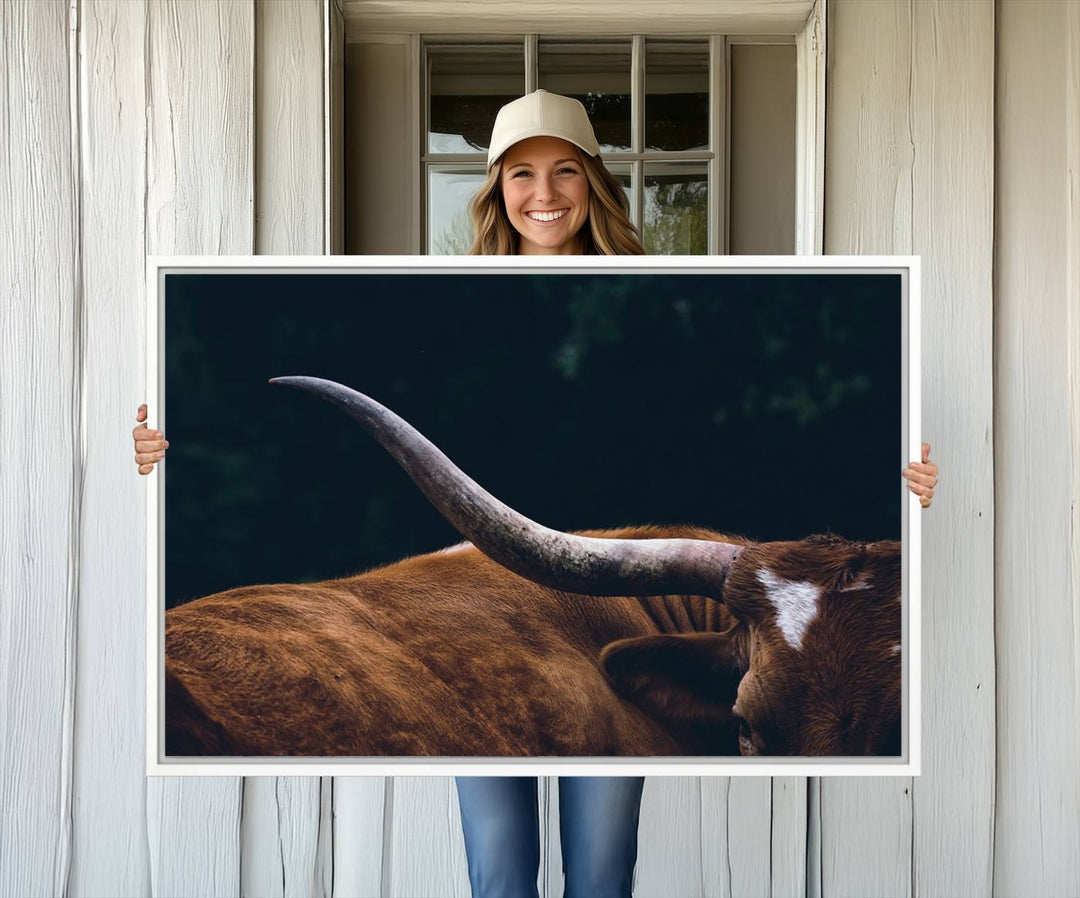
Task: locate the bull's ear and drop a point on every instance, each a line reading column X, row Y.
column 686, row 682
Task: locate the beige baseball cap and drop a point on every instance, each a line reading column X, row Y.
column 541, row 114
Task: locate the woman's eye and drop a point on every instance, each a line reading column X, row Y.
column 567, row 171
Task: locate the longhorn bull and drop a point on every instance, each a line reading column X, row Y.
column 527, row 641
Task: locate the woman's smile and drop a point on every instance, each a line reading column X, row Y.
column 553, row 215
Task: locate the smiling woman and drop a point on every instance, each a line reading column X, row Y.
column 546, row 195
column 547, row 191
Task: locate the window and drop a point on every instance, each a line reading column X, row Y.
column 660, row 108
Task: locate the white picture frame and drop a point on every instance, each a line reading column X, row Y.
column 907, row 764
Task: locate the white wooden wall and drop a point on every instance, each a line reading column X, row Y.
column 909, row 151
column 1036, row 838
column 200, row 127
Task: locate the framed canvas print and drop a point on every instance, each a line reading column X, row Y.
column 578, row 515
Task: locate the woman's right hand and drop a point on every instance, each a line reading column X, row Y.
column 150, row 445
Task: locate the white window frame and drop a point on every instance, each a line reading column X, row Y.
column 809, row 42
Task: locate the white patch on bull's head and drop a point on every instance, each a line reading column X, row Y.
column 796, row 604
column 897, row 649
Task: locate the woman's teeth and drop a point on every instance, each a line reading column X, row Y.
column 546, row 216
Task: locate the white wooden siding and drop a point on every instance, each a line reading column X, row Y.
column 909, row 150
column 361, row 806
column 199, row 201
column 284, row 849
column 175, row 127
column 868, row 210
column 953, row 230
column 109, row 821
column 40, row 449
column 1036, row 839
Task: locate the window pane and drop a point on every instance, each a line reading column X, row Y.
column 597, row 74
column 676, row 208
column 676, row 95
column 466, row 87
column 449, row 191
column 624, row 176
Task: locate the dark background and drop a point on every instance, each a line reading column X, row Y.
column 767, row 405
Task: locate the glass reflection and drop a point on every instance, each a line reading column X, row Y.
column 467, row 84
column 676, row 209
column 597, row 74
column 676, row 95
column 450, row 231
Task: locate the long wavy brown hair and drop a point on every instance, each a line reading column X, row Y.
column 607, row 231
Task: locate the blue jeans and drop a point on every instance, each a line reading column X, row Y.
column 598, row 822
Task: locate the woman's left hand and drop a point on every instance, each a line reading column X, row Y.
column 922, row 477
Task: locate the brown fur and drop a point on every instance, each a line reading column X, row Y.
column 450, row 655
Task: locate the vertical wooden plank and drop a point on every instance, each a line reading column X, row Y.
column 193, row 829
column 813, row 837
column 715, row 878
column 324, row 857
column 1037, row 822
column 788, row 837
column 426, row 849
column 289, row 132
column 865, row 838
column 1072, row 290
column 750, row 835
column 199, row 200
column 40, row 452
column 280, row 837
column 281, row 818
column 108, row 817
column 362, row 805
column 868, row 151
column 736, row 823
column 910, row 169
column 670, row 838
column 200, row 181
column 952, row 126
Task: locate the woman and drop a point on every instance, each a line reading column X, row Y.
column 547, row 193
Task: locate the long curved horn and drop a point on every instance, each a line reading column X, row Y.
column 580, row 564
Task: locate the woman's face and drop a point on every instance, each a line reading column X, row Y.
column 546, row 195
